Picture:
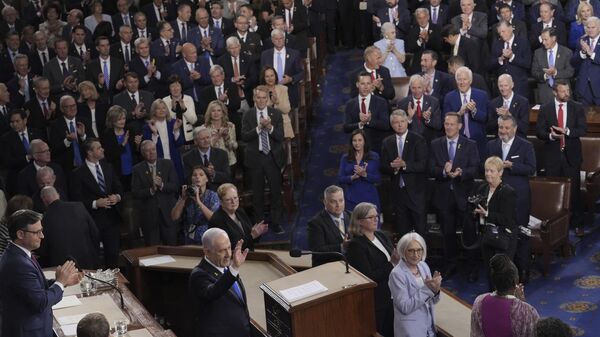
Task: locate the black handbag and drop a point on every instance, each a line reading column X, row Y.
column 495, row 237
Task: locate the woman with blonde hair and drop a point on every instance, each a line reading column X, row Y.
column 222, row 130
column 90, row 106
column 577, row 30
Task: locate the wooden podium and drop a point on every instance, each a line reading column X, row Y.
column 345, row 309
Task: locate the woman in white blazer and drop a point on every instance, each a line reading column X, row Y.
column 179, row 103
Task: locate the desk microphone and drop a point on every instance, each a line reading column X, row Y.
column 298, row 253
column 71, row 258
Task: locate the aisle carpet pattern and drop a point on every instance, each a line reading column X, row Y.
column 570, row 292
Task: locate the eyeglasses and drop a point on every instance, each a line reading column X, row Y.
column 418, row 251
column 42, row 151
column 371, row 217
column 38, row 232
column 230, row 200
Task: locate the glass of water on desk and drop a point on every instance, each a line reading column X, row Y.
column 87, row 286
column 121, row 327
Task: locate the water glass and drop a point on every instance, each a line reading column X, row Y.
column 121, row 327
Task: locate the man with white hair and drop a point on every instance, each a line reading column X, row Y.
column 472, row 24
column 421, row 37
column 423, row 111
column 509, row 103
column 216, row 289
column 511, row 55
column 239, row 70
column 471, row 105
column 586, row 58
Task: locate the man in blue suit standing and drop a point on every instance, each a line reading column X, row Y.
column 286, row 62
column 519, row 164
column 209, row 39
column 453, row 162
column 511, row 55
column 193, row 72
column 471, row 105
column 508, row 103
column 586, row 59
column 167, row 47
column 26, row 296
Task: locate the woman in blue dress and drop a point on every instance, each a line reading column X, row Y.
column 359, row 172
column 392, row 50
column 584, row 11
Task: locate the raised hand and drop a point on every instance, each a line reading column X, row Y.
column 239, row 256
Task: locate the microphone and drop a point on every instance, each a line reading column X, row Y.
column 71, row 258
column 298, row 253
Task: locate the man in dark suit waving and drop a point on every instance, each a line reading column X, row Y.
column 215, row 288
column 26, row 295
column 404, row 159
column 328, row 229
column 262, row 130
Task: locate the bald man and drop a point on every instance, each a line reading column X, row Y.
column 193, row 71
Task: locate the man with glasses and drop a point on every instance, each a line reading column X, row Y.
column 39, row 152
column 25, row 293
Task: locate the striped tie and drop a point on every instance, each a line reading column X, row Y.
column 264, row 138
column 100, row 177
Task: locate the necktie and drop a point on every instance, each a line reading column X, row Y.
column 400, row 151
column 25, row 142
column 126, row 19
column 26, row 88
column 106, row 75
column 218, row 24
column 153, row 170
column 44, row 58
column 505, row 148
column 206, row 33
column 341, row 227
column 373, row 75
column 236, row 73
column 264, row 139
column 219, row 92
column 183, row 31
column 419, row 111
column 133, row 99
column 236, row 289
column 167, row 48
column 143, row 33
column 505, row 105
column 279, row 67
column 4, row 112
column 205, row 161
column 434, row 16
column 65, row 71
column 593, row 44
column 451, row 150
column 45, row 109
column 127, row 57
column 466, row 118
column 551, row 65
column 81, row 52
column 76, row 154
column 100, row 177
column 363, row 106
column 146, row 63
column 561, row 124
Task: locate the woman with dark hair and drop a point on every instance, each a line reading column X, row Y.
column 181, row 107
column 197, row 210
column 372, row 253
column 52, row 24
column 91, row 107
column 503, row 312
column 15, row 203
column 359, row 172
column 278, row 98
column 97, row 17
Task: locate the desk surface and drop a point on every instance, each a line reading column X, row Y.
column 452, row 315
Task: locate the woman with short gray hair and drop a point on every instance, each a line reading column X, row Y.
column 392, row 50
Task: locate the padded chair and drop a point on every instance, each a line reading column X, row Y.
column 590, row 184
column 550, row 203
column 400, row 87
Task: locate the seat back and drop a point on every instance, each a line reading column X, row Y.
column 539, row 157
column 590, row 147
column 400, row 87
column 549, row 196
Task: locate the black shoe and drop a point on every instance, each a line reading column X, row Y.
column 449, row 271
column 276, row 228
column 473, row 275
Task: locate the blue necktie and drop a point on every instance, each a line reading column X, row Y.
column 400, row 150
column 25, row 142
column 65, row 71
column 106, row 75
column 451, row 150
column 279, row 67
column 76, row 154
column 100, row 177
column 236, row 289
column 550, row 65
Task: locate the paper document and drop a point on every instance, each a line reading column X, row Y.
column 69, row 329
column 302, row 291
column 139, row 333
column 153, row 261
column 67, row 301
column 534, row 223
column 536, row 107
column 73, row 319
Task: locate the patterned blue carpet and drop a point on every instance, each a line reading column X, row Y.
column 570, row 292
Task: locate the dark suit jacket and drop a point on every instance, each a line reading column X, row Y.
column 53, row 71
column 95, row 67
column 290, row 42
column 27, row 297
column 588, row 72
column 124, row 100
column 536, row 31
column 151, row 32
column 379, row 125
column 442, row 83
column 5, row 119
column 576, row 122
column 27, row 184
column 519, row 28
column 137, row 66
column 117, row 19
column 157, row 50
column 208, row 95
column 501, row 207
column 300, row 23
column 227, row 27
column 69, row 230
column 16, row 97
column 62, row 154
column 517, row 9
column 477, row 123
column 247, row 69
column 35, row 62
column 518, row 68
column 429, row 129
column 470, row 50
column 293, row 68
column 218, row 311
column 36, row 117
column 153, row 20
column 414, row 153
column 83, row 110
column 562, row 63
column 479, row 25
column 519, row 108
column 89, row 46
column 442, row 14
column 251, row 47
column 7, row 65
column 181, row 69
column 249, row 135
column 218, row 158
column 383, row 72
column 325, row 236
column 403, row 23
column 466, row 157
column 13, row 150
column 217, row 41
column 522, row 156
column 116, row 50
column 433, row 43
column 534, row 13
column 220, row 219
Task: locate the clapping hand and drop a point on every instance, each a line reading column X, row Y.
column 434, row 283
column 427, row 114
column 259, row 229
column 67, row 274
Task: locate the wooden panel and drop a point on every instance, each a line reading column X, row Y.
column 452, row 316
column 592, row 118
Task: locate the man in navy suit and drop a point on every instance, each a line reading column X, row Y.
column 151, row 71
column 193, row 72
column 181, row 25
column 423, row 111
column 511, row 55
column 166, row 48
column 328, row 229
column 217, row 20
column 560, row 124
column 421, row 37
column 123, row 16
column 216, row 289
column 124, row 49
column 453, row 162
column 519, row 164
column 396, row 14
column 26, row 295
column 516, row 7
column 508, row 103
column 367, row 111
column 471, row 105
column 106, row 72
column 547, row 20
column 586, row 59
column 436, row 81
column 438, row 12
column 380, row 75
column 208, row 38
column 404, row 159
column 286, row 63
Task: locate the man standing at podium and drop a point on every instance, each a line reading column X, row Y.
column 221, row 307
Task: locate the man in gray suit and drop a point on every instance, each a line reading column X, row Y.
column 470, row 23
column 550, row 63
column 63, row 71
column 135, row 101
column 155, row 184
column 214, row 160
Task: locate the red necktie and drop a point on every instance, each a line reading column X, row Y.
column 419, row 110
column 363, row 106
column 561, row 124
column 373, row 75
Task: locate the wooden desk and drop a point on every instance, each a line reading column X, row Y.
column 452, row 316
column 592, row 118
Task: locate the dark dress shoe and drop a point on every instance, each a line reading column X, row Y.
column 276, row 228
column 579, row 232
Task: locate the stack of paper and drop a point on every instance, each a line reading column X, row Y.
column 303, row 291
column 67, row 301
column 153, row 261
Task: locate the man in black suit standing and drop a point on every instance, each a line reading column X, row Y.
column 239, row 70
column 226, row 92
column 41, row 54
column 106, row 72
column 218, row 21
column 250, row 42
column 404, row 159
column 64, row 72
column 150, row 70
column 216, row 289
column 560, row 124
column 157, row 11
column 296, row 19
column 15, row 147
column 7, row 56
column 453, row 162
column 41, row 110
column 136, row 102
column 380, row 75
column 328, row 229
column 5, row 107
column 547, row 19
column 508, row 103
column 438, row 12
column 124, row 49
column 40, row 158
column 82, row 46
column 213, row 159
column 154, row 184
column 97, row 186
column 422, row 36
column 20, row 85
column 467, row 48
column 69, row 232
column 436, row 81
column 124, row 17
column 141, row 29
column 424, row 115
column 264, row 157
